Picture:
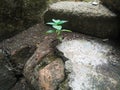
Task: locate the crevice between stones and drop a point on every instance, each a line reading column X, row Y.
column 64, row 84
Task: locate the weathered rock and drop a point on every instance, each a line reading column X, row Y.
column 17, row 16
column 85, row 18
column 92, row 63
column 35, row 59
column 29, row 37
column 42, row 63
column 7, row 77
column 113, row 5
column 51, row 75
column 20, row 57
column 1, row 54
column 22, row 85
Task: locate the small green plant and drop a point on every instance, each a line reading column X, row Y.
column 58, row 29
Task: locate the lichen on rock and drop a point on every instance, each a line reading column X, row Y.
column 89, row 65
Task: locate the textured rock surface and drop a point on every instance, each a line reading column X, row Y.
column 44, row 58
column 93, row 65
column 85, row 18
column 51, row 75
column 29, row 37
column 1, row 54
column 20, row 57
column 44, row 70
column 20, row 47
column 113, row 5
column 22, row 85
column 16, row 16
column 7, row 77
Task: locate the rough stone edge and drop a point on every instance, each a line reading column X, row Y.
column 28, row 69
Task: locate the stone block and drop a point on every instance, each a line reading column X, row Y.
column 85, row 18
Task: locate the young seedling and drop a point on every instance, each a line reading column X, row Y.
column 58, row 29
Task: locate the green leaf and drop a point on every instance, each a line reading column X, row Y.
column 56, row 21
column 57, row 27
column 50, row 23
column 53, row 20
column 66, row 30
column 59, row 22
column 50, row 31
column 62, row 22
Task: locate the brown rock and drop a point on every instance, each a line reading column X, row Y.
column 20, row 56
column 34, row 60
column 44, row 62
column 51, row 75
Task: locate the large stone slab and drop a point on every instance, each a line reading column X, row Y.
column 92, row 64
column 85, row 18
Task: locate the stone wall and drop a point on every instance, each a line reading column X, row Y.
column 18, row 15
